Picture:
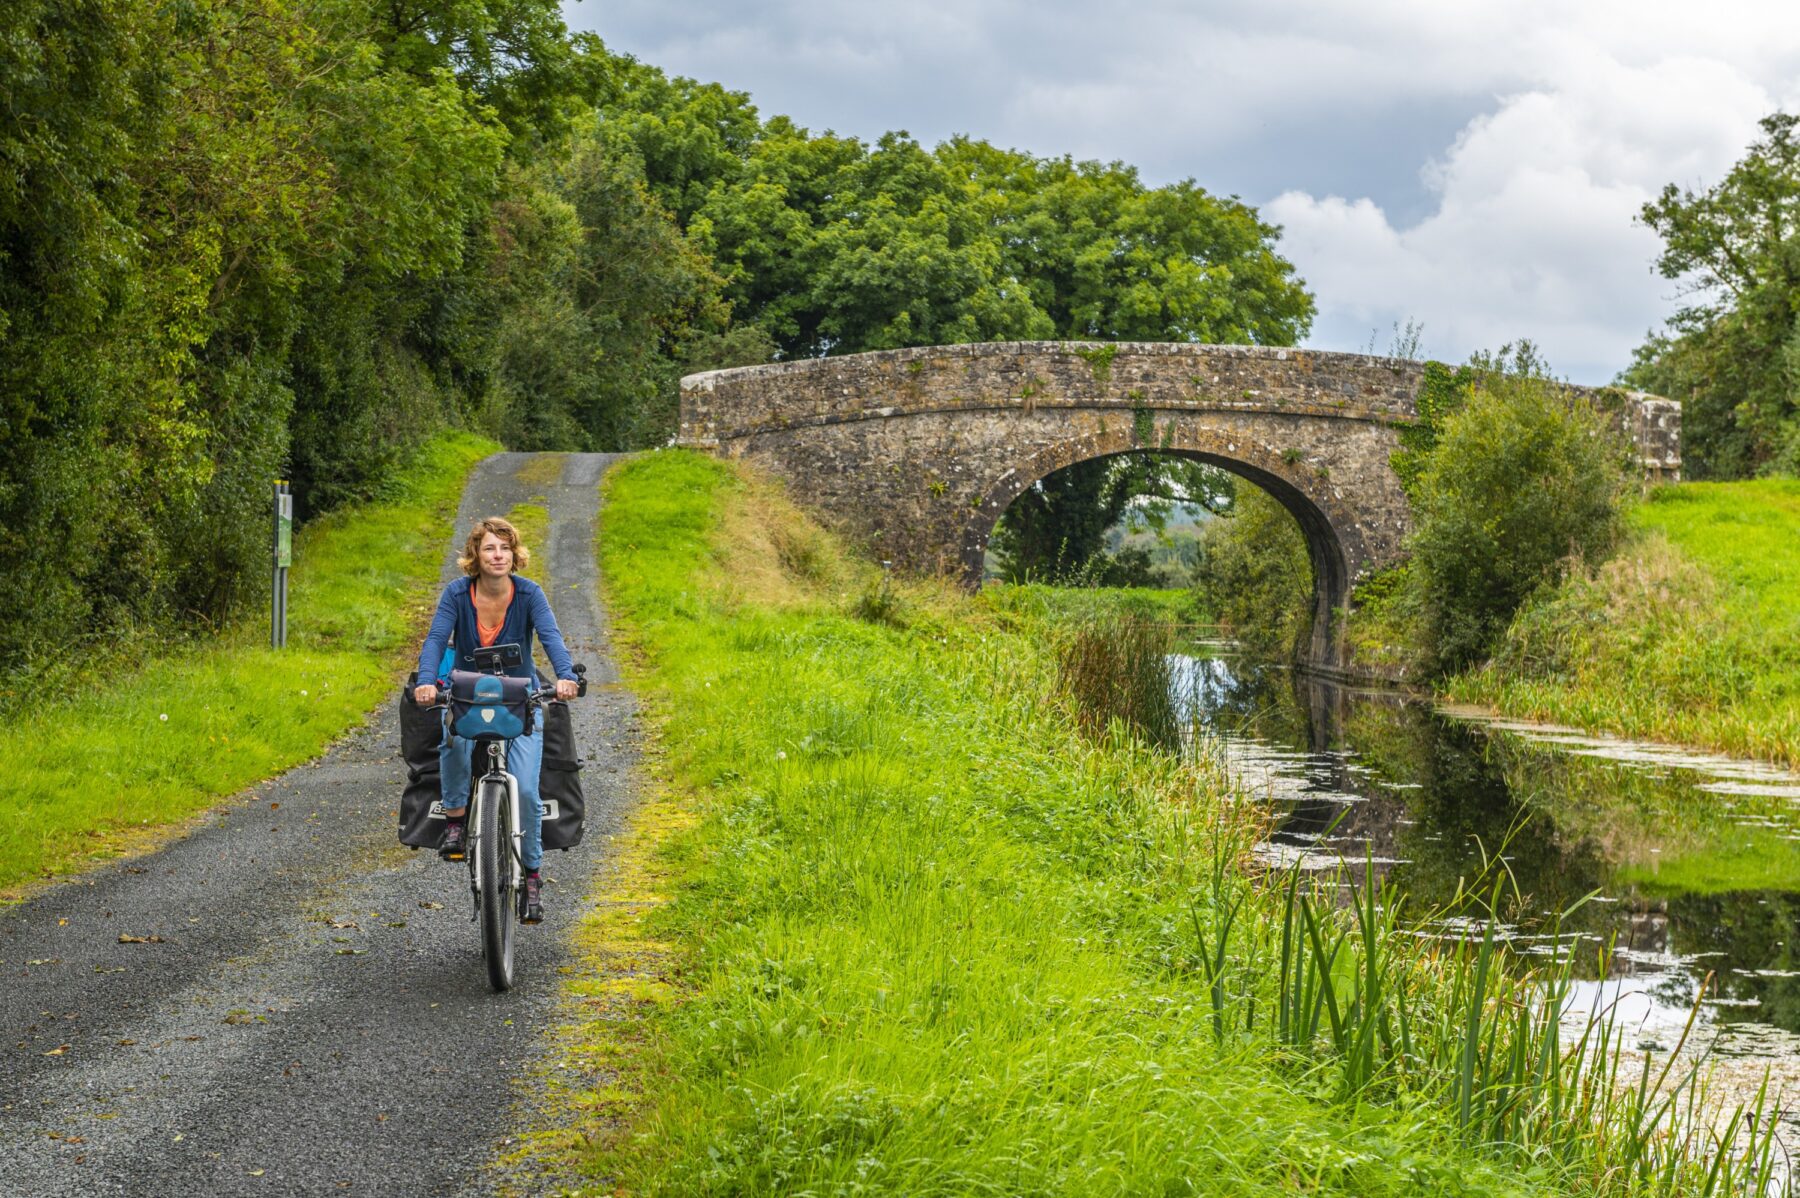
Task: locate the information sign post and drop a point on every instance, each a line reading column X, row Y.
column 284, row 557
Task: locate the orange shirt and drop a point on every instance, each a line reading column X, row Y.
column 488, row 634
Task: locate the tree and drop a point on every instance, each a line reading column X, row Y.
column 1255, row 575
column 239, row 238
column 1056, row 530
column 1732, row 355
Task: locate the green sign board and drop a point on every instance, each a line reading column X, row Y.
column 284, row 532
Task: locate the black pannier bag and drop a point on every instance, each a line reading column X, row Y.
column 421, row 734
column 559, row 783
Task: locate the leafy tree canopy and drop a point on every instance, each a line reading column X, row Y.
column 242, row 239
column 1732, row 354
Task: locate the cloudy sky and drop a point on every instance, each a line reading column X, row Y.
column 1472, row 166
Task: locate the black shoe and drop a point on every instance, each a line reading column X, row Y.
column 455, row 845
column 531, row 903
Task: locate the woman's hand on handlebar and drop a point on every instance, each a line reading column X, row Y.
column 426, row 695
column 566, row 690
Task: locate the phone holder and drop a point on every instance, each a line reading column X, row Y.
column 495, row 659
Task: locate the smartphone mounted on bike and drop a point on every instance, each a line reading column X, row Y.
column 496, row 659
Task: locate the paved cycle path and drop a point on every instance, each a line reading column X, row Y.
column 302, row 1007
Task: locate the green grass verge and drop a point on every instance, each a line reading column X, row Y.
column 156, row 740
column 930, row 940
column 1691, row 634
column 1083, row 603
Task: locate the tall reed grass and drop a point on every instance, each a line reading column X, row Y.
column 1327, row 966
column 1116, row 667
column 1391, row 1013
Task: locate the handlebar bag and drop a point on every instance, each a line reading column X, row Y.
column 489, row 706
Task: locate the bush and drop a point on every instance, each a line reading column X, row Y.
column 1256, row 575
column 1522, row 480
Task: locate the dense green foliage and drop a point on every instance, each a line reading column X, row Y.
column 1732, row 356
column 1058, row 530
column 242, row 239
column 1691, row 633
column 1442, row 390
column 1255, row 575
column 831, row 245
column 137, row 746
column 931, row 939
column 1522, row 478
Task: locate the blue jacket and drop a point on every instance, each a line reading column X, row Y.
column 453, row 631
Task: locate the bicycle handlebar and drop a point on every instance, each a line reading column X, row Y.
column 535, row 695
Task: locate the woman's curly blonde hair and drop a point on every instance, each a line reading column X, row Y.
column 470, row 559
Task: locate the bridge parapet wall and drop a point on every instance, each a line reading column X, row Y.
column 1030, row 374
column 1169, row 376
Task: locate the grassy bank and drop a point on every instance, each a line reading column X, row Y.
column 1691, row 634
column 928, row 938
column 1065, row 604
column 152, row 740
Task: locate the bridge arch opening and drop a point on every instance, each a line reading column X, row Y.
column 1326, row 552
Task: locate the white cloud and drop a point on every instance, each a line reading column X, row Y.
column 1532, row 233
column 1476, row 166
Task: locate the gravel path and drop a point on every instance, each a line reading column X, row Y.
column 307, row 1012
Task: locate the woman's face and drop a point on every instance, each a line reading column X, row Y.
column 496, row 556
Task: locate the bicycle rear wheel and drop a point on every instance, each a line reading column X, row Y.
column 493, row 847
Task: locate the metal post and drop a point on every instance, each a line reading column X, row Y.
column 284, row 557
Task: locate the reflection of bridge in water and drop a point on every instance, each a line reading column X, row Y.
column 918, row 452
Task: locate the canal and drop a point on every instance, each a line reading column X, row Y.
column 1659, row 868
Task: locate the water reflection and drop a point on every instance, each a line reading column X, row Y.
column 1695, row 860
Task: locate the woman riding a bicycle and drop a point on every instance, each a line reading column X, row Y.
column 492, row 605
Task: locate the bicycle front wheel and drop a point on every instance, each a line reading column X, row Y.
column 493, row 847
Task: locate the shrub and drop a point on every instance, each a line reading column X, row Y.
column 1522, row 479
column 1256, row 575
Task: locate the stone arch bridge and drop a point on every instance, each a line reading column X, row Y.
column 916, row 453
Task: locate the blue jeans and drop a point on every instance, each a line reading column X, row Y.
column 524, row 758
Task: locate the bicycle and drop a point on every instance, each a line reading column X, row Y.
column 496, row 835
